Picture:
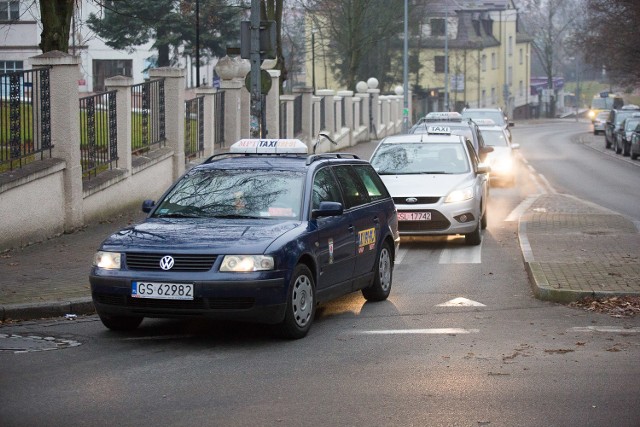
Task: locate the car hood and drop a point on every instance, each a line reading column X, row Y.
column 424, row 185
column 499, row 152
column 210, row 235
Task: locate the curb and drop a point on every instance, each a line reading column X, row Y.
column 29, row 311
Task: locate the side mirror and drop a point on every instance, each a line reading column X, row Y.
column 327, row 209
column 511, row 124
column 483, row 168
column 148, row 205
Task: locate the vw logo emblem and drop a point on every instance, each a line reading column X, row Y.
column 411, row 200
column 166, row 263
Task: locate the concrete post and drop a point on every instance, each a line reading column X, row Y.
column 174, row 113
column 307, row 112
column 365, row 107
column 65, row 129
column 122, row 86
column 328, row 96
column 232, row 110
column 289, row 101
column 208, row 92
column 356, row 101
column 315, row 128
column 273, row 105
column 245, row 113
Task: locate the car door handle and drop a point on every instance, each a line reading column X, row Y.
column 351, row 228
column 376, row 220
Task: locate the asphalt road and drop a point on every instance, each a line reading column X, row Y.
column 461, row 341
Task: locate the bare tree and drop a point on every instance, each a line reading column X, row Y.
column 56, row 24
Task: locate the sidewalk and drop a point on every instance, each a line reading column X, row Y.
column 570, row 248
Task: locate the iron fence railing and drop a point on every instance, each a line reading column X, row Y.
column 147, row 116
column 25, row 117
column 98, row 133
column 194, row 128
column 218, row 117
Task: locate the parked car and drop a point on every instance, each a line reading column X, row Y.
column 458, row 126
column 437, row 182
column 600, row 122
column 614, row 122
column 634, row 151
column 496, row 114
column 623, row 133
column 501, row 159
column 263, row 233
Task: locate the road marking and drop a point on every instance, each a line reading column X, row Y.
column 401, row 255
column 521, row 208
column 461, row 302
column 432, row 331
column 608, row 329
column 461, row 255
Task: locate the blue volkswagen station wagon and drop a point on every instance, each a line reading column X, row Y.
column 263, row 234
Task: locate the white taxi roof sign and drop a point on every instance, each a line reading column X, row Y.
column 443, row 115
column 484, row 122
column 440, row 130
column 269, row 146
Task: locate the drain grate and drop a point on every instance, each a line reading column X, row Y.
column 32, row 343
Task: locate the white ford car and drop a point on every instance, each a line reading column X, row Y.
column 437, row 183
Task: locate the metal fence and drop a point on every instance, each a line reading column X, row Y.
column 218, row 117
column 25, row 117
column 98, row 133
column 147, row 116
column 194, row 128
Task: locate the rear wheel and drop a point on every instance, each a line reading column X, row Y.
column 618, row 147
column 475, row 237
column 483, row 221
column 300, row 304
column 383, row 275
column 120, row 323
column 626, row 148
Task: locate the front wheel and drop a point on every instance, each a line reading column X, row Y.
column 300, row 304
column 383, row 276
column 626, row 149
column 120, row 323
column 475, row 237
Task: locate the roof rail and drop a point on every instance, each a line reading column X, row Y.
column 314, row 157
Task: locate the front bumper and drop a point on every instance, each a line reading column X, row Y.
column 446, row 219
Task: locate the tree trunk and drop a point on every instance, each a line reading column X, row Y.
column 56, row 24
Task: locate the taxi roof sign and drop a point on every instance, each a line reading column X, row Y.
column 484, row 122
column 443, row 116
column 269, row 146
column 440, row 130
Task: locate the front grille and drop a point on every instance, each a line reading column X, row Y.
column 438, row 222
column 182, row 262
column 420, row 200
column 241, row 303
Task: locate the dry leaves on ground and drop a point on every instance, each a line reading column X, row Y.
column 621, row 306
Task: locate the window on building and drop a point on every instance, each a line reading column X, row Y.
column 9, row 10
column 494, row 61
column 510, row 75
column 437, row 27
column 11, row 66
column 439, row 64
column 510, row 47
column 521, row 88
column 493, row 96
column 484, row 98
column 521, row 56
column 483, row 62
column 105, row 68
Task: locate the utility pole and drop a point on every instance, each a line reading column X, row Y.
column 446, row 58
column 256, row 96
column 405, row 77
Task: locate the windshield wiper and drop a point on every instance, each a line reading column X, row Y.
column 236, row 216
column 176, row 215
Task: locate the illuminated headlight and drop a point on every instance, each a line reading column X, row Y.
column 592, row 114
column 246, row 263
column 107, row 260
column 502, row 164
column 460, row 195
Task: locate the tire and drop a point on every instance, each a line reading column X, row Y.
column 475, row 237
column 634, row 156
column 301, row 305
column 120, row 323
column 383, row 276
column 626, row 149
column 618, row 148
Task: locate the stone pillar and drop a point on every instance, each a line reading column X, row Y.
column 65, row 129
column 356, row 101
column 273, row 105
column 364, row 106
column 374, row 113
column 122, row 85
column 289, row 101
column 209, row 122
column 232, row 110
column 328, row 96
column 307, row 112
column 174, row 113
column 315, row 128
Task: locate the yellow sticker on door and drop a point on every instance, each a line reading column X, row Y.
column 367, row 237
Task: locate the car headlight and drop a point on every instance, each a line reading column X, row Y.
column 247, row 263
column 107, row 260
column 502, row 164
column 460, row 195
column 592, row 114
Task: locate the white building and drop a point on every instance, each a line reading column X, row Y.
column 20, row 29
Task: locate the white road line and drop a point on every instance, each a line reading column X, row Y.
column 461, row 255
column 548, row 185
column 608, row 329
column 401, row 255
column 521, row 208
column 433, row 331
column 461, row 302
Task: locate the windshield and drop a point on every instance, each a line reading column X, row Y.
column 631, row 124
column 245, row 193
column 495, row 115
column 494, row 137
column 606, row 103
column 420, row 158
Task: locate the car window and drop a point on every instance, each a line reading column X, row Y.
column 631, row 124
column 473, row 156
column 234, row 193
column 420, row 158
column 354, row 192
column 373, row 183
column 494, row 137
column 325, row 188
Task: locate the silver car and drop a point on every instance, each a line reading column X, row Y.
column 437, row 183
column 600, row 121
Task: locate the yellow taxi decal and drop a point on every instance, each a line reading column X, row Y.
column 367, row 237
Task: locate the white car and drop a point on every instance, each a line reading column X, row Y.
column 501, row 159
column 437, row 182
